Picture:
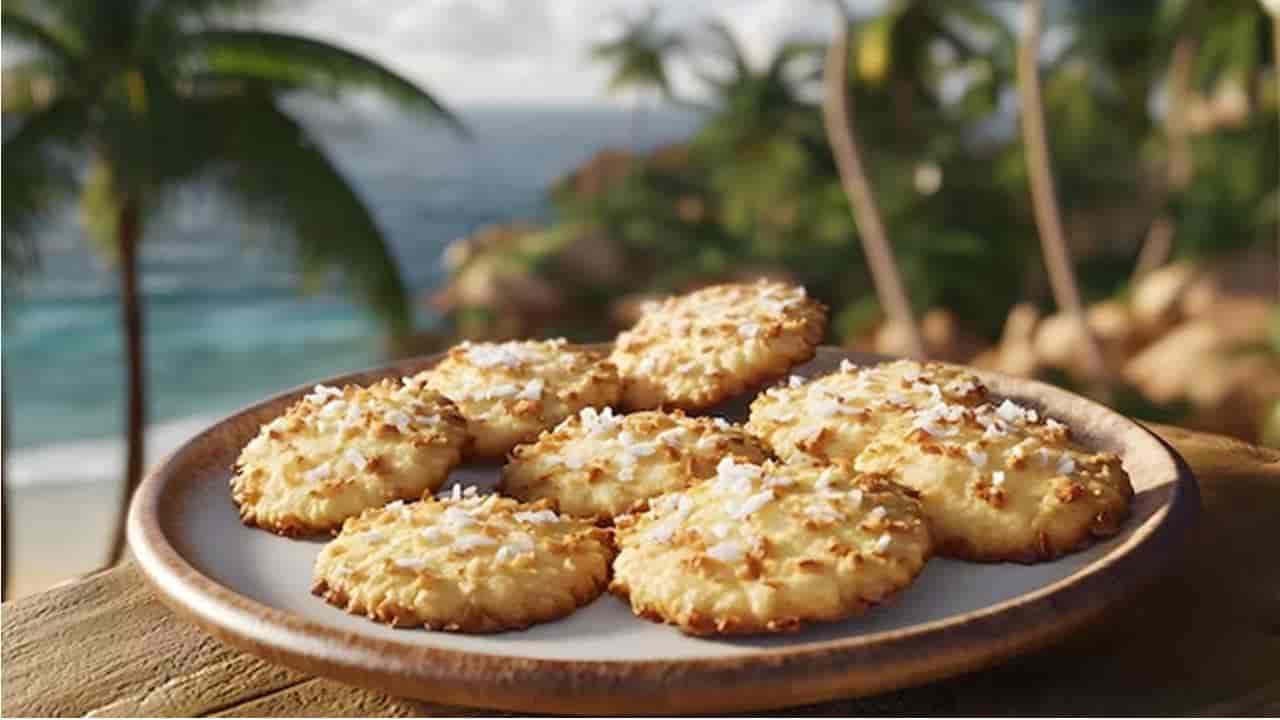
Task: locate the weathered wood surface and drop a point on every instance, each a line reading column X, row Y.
column 1205, row 639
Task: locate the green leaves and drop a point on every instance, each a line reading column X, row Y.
column 293, row 61
column 639, row 55
column 41, row 38
column 272, row 168
column 39, row 176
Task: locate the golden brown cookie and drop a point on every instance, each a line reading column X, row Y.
column 467, row 563
column 1003, row 482
column 699, row 349
column 598, row 465
column 339, row 451
column 509, row 392
column 835, row 416
column 767, row 548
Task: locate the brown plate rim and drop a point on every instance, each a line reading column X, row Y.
column 769, row 678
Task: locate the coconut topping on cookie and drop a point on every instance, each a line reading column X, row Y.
column 467, row 563
column 598, row 464
column 695, row 350
column 745, row 553
column 509, row 392
column 339, row 451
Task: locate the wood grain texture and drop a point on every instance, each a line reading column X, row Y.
column 1205, row 639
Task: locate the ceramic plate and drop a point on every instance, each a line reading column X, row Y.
column 250, row 588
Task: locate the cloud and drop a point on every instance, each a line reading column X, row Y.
column 530, row 51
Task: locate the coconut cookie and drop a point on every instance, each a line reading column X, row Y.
column 598, row 465
column 509, row 392
column 1001, row 481
column 767, row 548
column 835, row 416
column 339, row 451
column 466, row 563
column 696, row 350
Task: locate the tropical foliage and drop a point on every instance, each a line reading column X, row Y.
column 1160, row 120
column 116, row 104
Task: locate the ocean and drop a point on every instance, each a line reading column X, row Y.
column 225, row 322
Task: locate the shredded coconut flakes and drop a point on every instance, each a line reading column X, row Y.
column 470, row 542
column 673, row 436
column 537, row 517
column 532, row 391
column 751, row 504
column 318, row 473
column 356, row 459
column 727, row 551
column 977, row 457
column 487, row 356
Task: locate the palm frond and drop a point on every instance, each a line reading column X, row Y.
column 794, row 51
column 303, row 62
column 639, row 54
column 203, row 8
column 727, row 44
column 25, row 29
column 273, row 169
column 39, row 177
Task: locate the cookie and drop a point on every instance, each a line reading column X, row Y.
column 340, row 451
column 509, row 392
column 598, row 465
column 1002, row 482
column 697, row 350
column 466, row 563
column 835, row 416
column 767, row 548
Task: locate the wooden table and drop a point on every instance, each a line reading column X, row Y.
column 1203, row 640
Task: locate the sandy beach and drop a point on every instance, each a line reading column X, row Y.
column 64, row 499
column 59, row 532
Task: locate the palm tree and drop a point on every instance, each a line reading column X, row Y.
column 1066, row 292
column 838, row 117
column 1212, row 45
column 639, row 58
column 1158, row 244
column 1273, row 8
column 913, row 45
column 154, row 94
column 753, row 106
column 6, row 547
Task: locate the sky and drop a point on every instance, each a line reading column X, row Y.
column 487, row 52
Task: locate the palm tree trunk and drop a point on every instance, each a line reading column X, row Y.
column 1043, row 196
column 128, row 235
column 837, row 113
column 1275, row 57
column 633, row 118
column 1158, row 245
column 6, row 547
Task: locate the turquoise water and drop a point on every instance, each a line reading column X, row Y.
column 225, row 324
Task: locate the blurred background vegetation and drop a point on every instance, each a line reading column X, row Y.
column 1164, row 144
column 1156, row 177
